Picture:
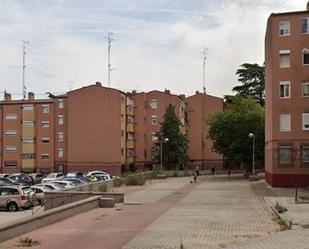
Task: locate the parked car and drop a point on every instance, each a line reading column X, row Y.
column 3, row 175
column 52, row 176
column 37, row 177
column 76, row 181
column 65, row 184
column 8, row 181
column 49, row 185
column 99, row 173
column 22, row 178
column 39, row 194
column 74, row 174
column 85, row 179
column 14, row 197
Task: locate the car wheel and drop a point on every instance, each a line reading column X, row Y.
column 12, row 207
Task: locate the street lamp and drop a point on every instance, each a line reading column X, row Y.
column 251, row 135
column 165, row 140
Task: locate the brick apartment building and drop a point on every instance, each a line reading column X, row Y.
column 199, row 107
column 86, row 129
column 287, row 99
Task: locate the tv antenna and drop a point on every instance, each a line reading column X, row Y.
column 24, row 67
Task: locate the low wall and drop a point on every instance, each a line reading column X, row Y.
column 29, row 224
column 56, row 199
column 93, row 186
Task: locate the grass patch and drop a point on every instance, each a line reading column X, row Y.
column 135, row 180
column 284, row 225
column 28, row 242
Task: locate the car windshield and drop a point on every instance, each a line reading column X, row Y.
column 51, row 175
column 27, row 190
column 71, row 174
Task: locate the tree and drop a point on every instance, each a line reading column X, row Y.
column 252, row 79
column 175, row 150
column 229, row 131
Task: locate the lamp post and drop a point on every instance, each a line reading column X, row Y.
column 251, row 135
column 164, row 140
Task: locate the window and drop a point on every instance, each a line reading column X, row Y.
column 45, row 124
column 154, row 137
column 45, row 140
column 304, row 25
column 60, row 136
column 284, row 89
column 305, row 154
column 45, row 157
column 60, row 119
column 45, row 108
column 130, row 136
column 27, row 156
column 154, row 120
column 306, row 89
column 305, row 121
column 130, row 153
column 285, row 122
column 285, row 154
column 60, row 103
column 10, row 148
column 153, row 104
column 10, row 163
column 60, row 152
column 284, row 58
column 28, row 124
column 10, row 116
column 26, row 140
column 28, row 107
column 11, row 132
column 284, row 28
column 130, row 102
column 306, row 56
column 130, row 119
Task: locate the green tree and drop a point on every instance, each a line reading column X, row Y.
column 175, row 150
column 229, row 131
column 252, row 79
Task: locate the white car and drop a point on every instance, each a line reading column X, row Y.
column 99, row 173
column 50, row 186
column 64, row 184
column 52, row 176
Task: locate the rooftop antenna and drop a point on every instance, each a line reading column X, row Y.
column 109, row 65
column 24, row 67
column 205, row 50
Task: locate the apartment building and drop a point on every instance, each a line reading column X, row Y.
column 287, row 99
column 86, row 129
column 199, row 108
column 149, row 110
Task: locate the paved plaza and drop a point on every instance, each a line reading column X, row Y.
column 218, row 212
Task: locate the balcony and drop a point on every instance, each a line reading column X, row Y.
column 28, row 148
column 130, row 127
column 27, row 163
column 28, row 131
column 28, row 115
column 130, row 144
column 130, row 110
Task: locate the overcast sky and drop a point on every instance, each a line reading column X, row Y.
column 158, row 43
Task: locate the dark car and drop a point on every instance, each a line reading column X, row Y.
column 8, row 181
column 74, row 174
column 37, row 177
column 22, row 178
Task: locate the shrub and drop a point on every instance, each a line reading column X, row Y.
column 134, row 180
column 28, row 242
column 103, row 188
column 280, row 208
column 155, row 171
column 118, row 181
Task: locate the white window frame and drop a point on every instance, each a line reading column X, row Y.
column 153, row 104
column 11, row 132
column 27, row 140
column 60, row 152
column 285, row 26
column 285, row 83
column 60, row 136
column 307, row 28
column 45, row 108
column 305, row 51
column 285, row 122
column 285, row 52
column 305, row 121
column 45, row 124
column 10, row 148
column 154, row 118
column 28, row 107
column 60, row 119
column 46, row 155
column 154, row 137
column 28, row 124
column 305, row 83
column 45, row 140
column 302, row 153
column 283, row 157
column 60, row 103
column 11, row 116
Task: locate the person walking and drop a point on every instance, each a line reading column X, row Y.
column 213, row 170
column 229, row 172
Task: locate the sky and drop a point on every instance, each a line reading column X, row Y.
column 157, row 44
